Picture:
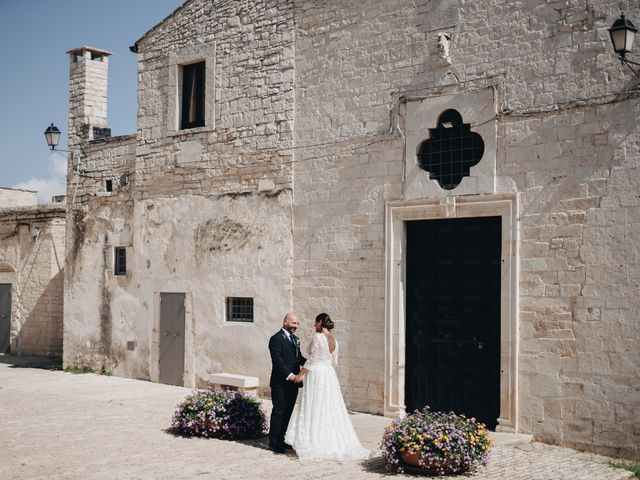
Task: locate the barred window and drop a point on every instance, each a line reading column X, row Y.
column 450, row 151
column 120, row 261
column 239, row 309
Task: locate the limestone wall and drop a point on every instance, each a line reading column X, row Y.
column 11, row 197
column 313, row 114
column 32, row 261
column 573, row 170
column 207, row 247
column 579, row 274
column 245, row 145
column 207, row 211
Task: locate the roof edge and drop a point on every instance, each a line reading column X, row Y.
column 184, row 4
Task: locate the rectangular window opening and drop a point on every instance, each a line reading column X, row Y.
column 120, row 261
column 193, row 88
column 239, row 309
column 108, row 185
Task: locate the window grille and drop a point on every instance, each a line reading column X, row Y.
column 450, row 151
column 239, row 309
column 120, row 263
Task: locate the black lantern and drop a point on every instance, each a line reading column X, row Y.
column 52, row 135
column 622, row 33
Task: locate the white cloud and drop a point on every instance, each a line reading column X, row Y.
column 55, row 184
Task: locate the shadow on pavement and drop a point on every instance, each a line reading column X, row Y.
column 376, row 465
column 28, row 361
column 262, row 443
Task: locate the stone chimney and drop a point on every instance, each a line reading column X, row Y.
column 88, row 70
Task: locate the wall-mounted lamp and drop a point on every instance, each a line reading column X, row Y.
column 52, row 135
column 622, row 33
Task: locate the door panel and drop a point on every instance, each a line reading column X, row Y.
column 453, row 316
column 5, row 317
column 171, row 358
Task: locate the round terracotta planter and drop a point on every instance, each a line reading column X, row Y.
column 412, row 465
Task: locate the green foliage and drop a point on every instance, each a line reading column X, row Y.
column 632, row 467
column 78, row 370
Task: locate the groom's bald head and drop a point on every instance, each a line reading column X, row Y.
column 291, row 322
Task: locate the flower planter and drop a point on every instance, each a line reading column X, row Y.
column 435, row 443
column 412, row 465
column 226, row 415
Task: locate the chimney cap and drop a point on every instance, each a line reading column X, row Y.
column 86, row 48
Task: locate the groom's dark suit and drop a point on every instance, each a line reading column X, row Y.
column 286, row 359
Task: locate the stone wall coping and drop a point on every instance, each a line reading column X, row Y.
column 39, row 212
column 18, row 189
column 102, row 142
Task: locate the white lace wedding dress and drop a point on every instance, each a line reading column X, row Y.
column 320, row 427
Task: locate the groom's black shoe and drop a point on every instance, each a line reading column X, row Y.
column 276, row 448
column 287, row 446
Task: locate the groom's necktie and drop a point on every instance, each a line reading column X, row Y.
column 293, row 342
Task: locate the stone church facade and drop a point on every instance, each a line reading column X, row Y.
column 455, row 183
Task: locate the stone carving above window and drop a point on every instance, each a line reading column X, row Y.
column 450, row 151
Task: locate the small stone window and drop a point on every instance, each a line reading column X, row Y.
column 193, row 95
column 120, row 261
column 108, row 185
column 450, row 151
column 239, row 309
column 101, row 133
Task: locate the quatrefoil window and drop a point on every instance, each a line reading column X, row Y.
column 450, row 151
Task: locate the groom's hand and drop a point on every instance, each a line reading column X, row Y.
column 298, row 378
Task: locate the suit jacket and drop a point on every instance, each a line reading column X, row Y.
column 285, row 358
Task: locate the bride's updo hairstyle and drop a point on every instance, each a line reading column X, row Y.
column 325, row 321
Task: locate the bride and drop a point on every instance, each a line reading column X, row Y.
column 320, row 427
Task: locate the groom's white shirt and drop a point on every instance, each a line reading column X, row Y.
column 291, row 376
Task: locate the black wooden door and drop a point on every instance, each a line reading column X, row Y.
column 5, row 316
column 453, row 316
column 171, row 361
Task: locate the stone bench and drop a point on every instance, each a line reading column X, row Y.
column 233, row 381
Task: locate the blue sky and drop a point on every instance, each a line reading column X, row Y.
column 34, row 36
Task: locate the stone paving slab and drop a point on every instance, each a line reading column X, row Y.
column 57, row 425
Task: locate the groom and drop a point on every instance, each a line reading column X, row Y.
column 286, row 361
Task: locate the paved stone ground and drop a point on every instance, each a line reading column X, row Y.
column 56, row 425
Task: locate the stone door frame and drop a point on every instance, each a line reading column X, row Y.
column 189, row 378
column 9, row 276
column 396, row 214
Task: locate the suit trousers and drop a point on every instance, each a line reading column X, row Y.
column 283, row 396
